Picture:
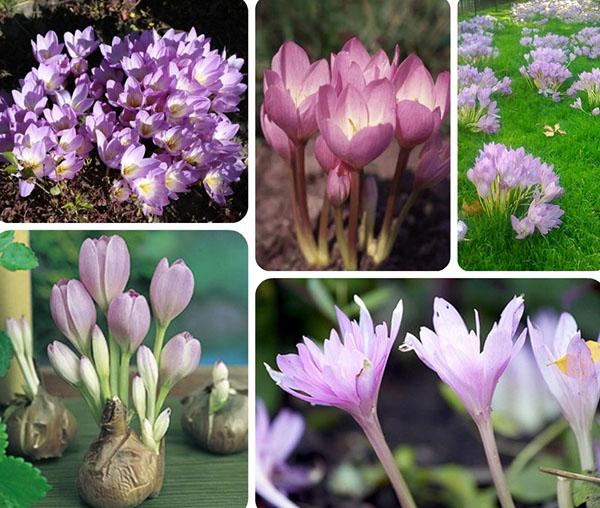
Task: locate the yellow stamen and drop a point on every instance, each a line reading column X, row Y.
column 353, row 126
column 594, row 348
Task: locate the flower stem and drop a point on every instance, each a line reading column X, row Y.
column 323, row 249
column 340, row 234
column 300, row 179
column 353, row 221
column 159, row 338
column 392, row 199
column 308, row 251
column 372, row 429
column 563, row 493
column 113, row 348
column 586, row 453
column 162, row 396
column 124, row 379
column 484, row 425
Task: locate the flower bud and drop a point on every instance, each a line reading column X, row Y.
column 148, row 369
column 179, row 358
column 129, row 320
column 73, row 312
column 64, row 362
column 89, row 378
column 15, row 332
column 219, row 372
column 434, row 163
column 104, row 268
column 100, row 351
column 161, row 425
column 138, row 393
column 338, row 185
column 148, row 435
column 171, row 290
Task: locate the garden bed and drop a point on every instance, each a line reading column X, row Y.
column 87, row 197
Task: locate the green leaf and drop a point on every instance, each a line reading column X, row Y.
column 459, row 488
column 18, row 256
column 6, row 352
column 21, row 484
column 586, row 492
column 10, row 157
column 6, row 239
column 11, row 169
column 3, row 440
column 533, row 486
column 56, row 190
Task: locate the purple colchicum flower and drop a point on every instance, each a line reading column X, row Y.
column 172, row 91
column 507, row 180
column 455, row 354
column 275, row 442
column 589, row 84
column 570, row 367
column 347, row 374
column 475, row 37
column 567, row 11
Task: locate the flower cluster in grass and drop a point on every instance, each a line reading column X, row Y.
column 589, row 83
column 346, row 373
column 475, row 40
column 476, row 109
column 567, row 11
column 357, row 105
column 511, row 182
column 155, row 110
column 587, row 42
column 99, row 367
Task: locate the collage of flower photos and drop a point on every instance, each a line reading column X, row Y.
column 299, row 253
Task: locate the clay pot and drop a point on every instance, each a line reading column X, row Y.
column 39, row 429
column 119, row 470
column 228, row 431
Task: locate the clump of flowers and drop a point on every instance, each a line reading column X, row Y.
column 476, row 109
column 549, row 40
column 357, row 104
column 475, row 37
column 154, row 110
column 589, row 84
column 99, row 368
column 587, row 42
column 510, row 182
column 568, row 11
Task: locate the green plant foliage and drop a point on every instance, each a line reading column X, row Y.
column 459, row 488
column 21, row 484
column 533, row 486
column 15, row 255
column 6, row 352
column 587, row 493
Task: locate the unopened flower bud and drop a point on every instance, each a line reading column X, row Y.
column 14, row 330
column 89, row 378
column 64, row 362
column 148, row 435
column 148, row 369
column 171, row 290
column 138, row 393
column 161, row 425
column 179, row 358
column 73, row 312
column 220, row 372
column 100, row 351
column 338, row 185
column 129, row 320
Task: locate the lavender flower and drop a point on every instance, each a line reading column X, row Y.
column 589, row 83
column 508, row 180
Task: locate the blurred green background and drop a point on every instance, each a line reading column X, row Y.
column 217, row 314
column 417, row 26
column 287, row 309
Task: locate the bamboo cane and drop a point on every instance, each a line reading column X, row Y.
column 15, row 301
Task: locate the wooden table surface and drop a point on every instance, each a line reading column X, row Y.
column 193, row 478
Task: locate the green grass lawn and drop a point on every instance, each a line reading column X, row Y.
column 575, row 156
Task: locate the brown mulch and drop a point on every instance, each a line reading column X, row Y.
column 423, row 242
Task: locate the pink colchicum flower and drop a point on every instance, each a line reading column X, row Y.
column 347, row 374
column 104, row 267
column 74, row 313
column 434, row 163
column 171, row 290
column 422, row 105
column 276, row 137
column 570, row 367
column 290, row 89
column 179, row 358
column 357, row 125
column 275, row 442
column 129, row 320
column 454, row 353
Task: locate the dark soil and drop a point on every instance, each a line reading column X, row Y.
column 87, row 198
column 423, row 242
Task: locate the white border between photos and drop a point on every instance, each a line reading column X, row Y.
column 245, row 227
